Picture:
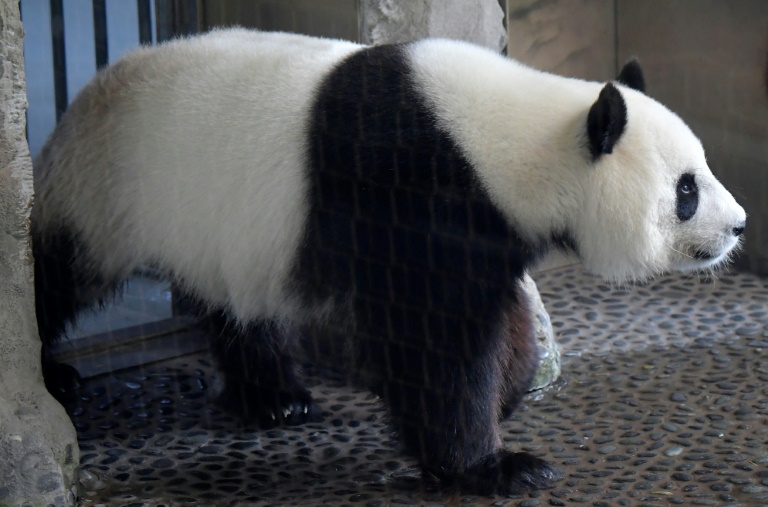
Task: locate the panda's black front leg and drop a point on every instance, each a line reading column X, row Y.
column 261, row 380
column 445, row 391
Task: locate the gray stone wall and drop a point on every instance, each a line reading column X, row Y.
column 323, row 18
column 368, row 21
column 706, row 60
column 38, row 446
column 574, row 38
column 391, row 21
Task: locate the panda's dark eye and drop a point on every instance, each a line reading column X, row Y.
column 687, row 197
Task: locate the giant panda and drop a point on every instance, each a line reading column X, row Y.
column 393, row 196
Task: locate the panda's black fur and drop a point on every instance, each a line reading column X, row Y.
column 400, row 220
column 401, row 234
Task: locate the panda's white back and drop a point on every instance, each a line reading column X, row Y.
column 190, row 156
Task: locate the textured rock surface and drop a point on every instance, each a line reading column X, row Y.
column 569, row 37
column 38, row 449
column 549, row 369
column 388, row 21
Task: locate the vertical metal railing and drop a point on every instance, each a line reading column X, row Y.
column 67, row 41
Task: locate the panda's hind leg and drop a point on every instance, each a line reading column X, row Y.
column 261, row 380
column 62, row 290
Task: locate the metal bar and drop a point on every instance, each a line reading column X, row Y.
column 145, row 21
column 59, row 58
column 100, row 32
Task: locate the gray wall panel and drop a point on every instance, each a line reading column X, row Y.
column 706, row 60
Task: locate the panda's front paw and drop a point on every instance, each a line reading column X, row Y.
column 291, row 408
column 269, row 406
column 507, row 473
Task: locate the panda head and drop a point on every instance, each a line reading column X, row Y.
column 651, row 203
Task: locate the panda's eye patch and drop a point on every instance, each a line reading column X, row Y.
column 687, row 197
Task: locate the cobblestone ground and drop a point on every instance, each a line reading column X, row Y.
column 663, row 400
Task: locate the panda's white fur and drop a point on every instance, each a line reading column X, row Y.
column 621, row 208
column 205, row 158
column 178, row 149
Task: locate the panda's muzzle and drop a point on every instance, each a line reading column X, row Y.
column 735, row 232
column 702, row 256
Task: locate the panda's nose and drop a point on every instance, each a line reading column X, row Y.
column 736, row 231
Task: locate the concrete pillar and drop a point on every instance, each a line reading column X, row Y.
column 390, row 21
column 566, row 37
column 38, row 445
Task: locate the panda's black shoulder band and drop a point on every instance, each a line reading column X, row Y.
column 606, row 121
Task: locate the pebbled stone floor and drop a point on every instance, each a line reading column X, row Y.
column 663, row 400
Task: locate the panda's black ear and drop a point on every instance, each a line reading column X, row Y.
column 606, row 121
column 632, row 76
